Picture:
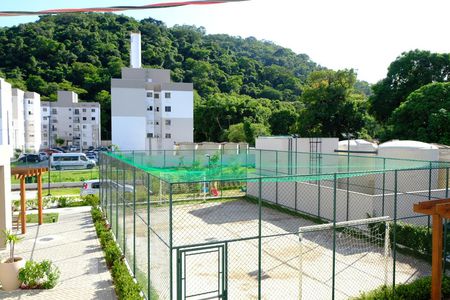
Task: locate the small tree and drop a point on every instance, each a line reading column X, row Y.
column 11, row 239
column 59, row 141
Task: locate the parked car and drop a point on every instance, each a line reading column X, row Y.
column 71, row 161
column 60, row 149
column 90, row 187
column 43, row 156
column 92, row 155
column 74, row 148
column 50, row 151
column 27, row 157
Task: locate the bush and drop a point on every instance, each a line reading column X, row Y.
column 35, row 275
column 126, row 287
column 91, row 200
column 417, row 290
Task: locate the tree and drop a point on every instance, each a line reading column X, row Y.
column 332, row 105
column 425, row 115
column 59, row 141
column 247, row 132
column 408, row 72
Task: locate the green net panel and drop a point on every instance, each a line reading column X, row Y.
column 182, row 166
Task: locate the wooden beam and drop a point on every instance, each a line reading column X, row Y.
column 39, row 194
column 436, row 265
column 425, row 206
column 23, row 206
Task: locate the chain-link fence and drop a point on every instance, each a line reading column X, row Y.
column 215, row 224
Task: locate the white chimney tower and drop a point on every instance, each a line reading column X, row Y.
column 135, row 53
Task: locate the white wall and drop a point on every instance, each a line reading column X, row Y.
column 6, row 115
column 5, row 191
column 129, row 133
column 18, row 130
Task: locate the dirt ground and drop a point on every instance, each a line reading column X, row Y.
column 233, row 225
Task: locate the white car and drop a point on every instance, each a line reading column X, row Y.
column 61, row 161
column 90, row 187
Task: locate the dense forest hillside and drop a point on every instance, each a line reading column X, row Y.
column 82, row 52
column 244, row 87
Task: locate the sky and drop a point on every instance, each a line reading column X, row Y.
column 366, row 35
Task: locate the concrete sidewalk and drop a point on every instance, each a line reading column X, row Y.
column 72, row 245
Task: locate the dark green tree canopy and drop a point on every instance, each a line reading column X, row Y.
column 408, row 72
column 425, row 115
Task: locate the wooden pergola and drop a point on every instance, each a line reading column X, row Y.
column 438, row 209
column 22, row 173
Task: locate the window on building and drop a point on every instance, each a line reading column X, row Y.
column 44, row 126
column 156, row 96
column 149, row 94
column 150, row 108
column 45, row 143
column 92, row 109
column 54, row 121
column 29, row 101
column 31, row 135
column 84, row 118
column 54, row 129
column 84, row 143
column 167, row 95
column 149, row 135
column 157, row 108
column 44, row 118
column 93, row 118
column 30, row 113
column 70, row 126
column 156, row 123
column 70, row 109
column 70, row 134
column 84, row 109
column 54, row 111
column 70, row 118
column 84, row 126
column 44, row 109
column 76, row 111
column 45, row 135
column 168, row 122
column 168, row 108
column 168, row 136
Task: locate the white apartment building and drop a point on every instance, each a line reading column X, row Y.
column 32, row 113
column 6, row 116
column 148, row 111
column 77, row 123
column 18, row 120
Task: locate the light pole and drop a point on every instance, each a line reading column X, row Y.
column 348, row 135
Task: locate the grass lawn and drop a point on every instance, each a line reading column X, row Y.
column 67, row 176
column 61, row 191
column 48, row 218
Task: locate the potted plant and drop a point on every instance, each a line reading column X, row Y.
column 9, row 267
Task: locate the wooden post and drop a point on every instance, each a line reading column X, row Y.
column 39, row 194
column 23, row 205
column 436, row 275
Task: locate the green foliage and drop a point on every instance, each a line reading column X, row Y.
column 91, row 200
column 47, row 218
column 39, row 275
column 407, row 73
column 332, row 105
column 125, row 286
column 419, row 289
column 11, row 239
column 424, row 115
column 59, row 141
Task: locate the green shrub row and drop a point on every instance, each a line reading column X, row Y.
column 419, row 289
column 126, row 287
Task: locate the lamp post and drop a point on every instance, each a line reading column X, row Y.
column 348, row 135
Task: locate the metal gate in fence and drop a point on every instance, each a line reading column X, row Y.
column 202, row 273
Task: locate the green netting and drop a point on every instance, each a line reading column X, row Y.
column 179, row 166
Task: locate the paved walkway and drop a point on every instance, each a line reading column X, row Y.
column 72, row 245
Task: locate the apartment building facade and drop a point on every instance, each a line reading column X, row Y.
column 32, row 113
column 77, row 123
column 18, row 120
column 6, row 116
column 149, row 112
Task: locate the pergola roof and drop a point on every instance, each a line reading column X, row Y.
column 22, row 172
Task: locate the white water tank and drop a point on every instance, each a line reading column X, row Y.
column 358, row 145
column 409, row 150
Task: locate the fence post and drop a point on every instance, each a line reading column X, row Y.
column 445, row 226
column 124, row 212
column 334, row 237
column 259, row 238
column 116, row 221
column 110, row 192
column 394, row 242
column 276, row 174
column 429, row 197
column 171, row 241
column 134, row 221
column 148, row 233
column 384, row 187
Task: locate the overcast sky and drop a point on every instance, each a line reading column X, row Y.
column 366, row 35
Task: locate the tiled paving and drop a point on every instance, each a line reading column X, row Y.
column 72, row 245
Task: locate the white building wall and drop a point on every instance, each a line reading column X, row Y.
column 18, row 122
column 32, row 117
column 6, row 115
column 5, row 192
